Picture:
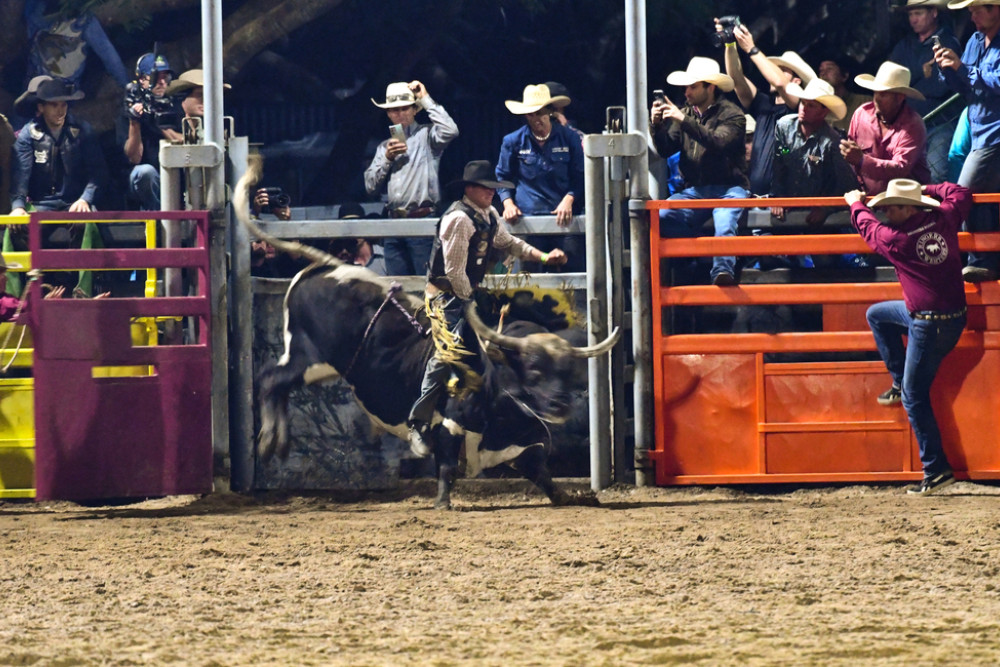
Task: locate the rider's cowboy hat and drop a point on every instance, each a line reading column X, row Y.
column 701, row 69
column 480, row 172
column 793, row 61
column 397, row 95
column 822, row 92
column 903, row 192
column 891, row 77
column 193, row 78
column 535, row 98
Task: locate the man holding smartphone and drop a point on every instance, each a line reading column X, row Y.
column 405, row 168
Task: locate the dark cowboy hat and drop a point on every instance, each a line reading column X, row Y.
column 480, row 172
column 57, row 90
column 24, row 105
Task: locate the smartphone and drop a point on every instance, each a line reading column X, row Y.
column 658, row 96
column 935, row 42
column 396, row 132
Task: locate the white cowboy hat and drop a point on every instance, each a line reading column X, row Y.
column 891, row 77
column 535, row 98
column 962, row 4
column 751, row 123
column 193, row 78
column 922, row 4
column 902, row 192
column 4, row 264
column 822, row 92
column 397, row 95
column 702, row 69
column 794, row 62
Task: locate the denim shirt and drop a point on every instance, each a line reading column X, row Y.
column 978, row 78
column 911, row 53
column 542, row 175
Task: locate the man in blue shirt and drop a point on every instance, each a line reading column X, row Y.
column 977, row 77
column 544, row 160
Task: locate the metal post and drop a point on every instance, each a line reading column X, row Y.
column 211, row 47
column 597, row 319
column 241, row 455
column 616, row 297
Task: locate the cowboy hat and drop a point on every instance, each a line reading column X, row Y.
column 193, row 78
column 480, row 172
column 4, row 264
column 535, row 98
column 922, row 4
column 793, row 61
column 751, row 123
column 397, row 96
column 962, row 4
column 24, row 105
column 57, row 90
column 902, row 192
column 701, row 69
column 891, row 77
column 822, row 92
column 558, row 91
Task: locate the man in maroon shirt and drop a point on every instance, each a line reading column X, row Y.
column 920, row 238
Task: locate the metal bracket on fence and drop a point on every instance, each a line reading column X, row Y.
column 614, row 145
column 190, row 155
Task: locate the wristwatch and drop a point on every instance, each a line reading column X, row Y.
column 754, row 51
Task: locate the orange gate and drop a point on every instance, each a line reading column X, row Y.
column 727, row 413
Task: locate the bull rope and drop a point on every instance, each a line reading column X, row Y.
column 390, row 297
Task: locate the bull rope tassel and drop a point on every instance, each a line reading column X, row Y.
column 390, row 297
column 33, row 275
column 448, row 347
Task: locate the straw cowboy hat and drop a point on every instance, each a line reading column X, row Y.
column 193, row 78
column 558, row 91
column 903, row 192
column 962, row 4
column 4, row 264
column 794, row 62
column 397, row 96
column 535, row 98
column 890, row 77
column 751, row 123
column 701, row 69
column 822, row 92
column 922, row 4
column 480, row 172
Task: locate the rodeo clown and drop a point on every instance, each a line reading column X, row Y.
column 920, row 238
column 462, row 254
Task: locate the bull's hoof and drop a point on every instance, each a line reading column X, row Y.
column 442, row 504
column 575, row 499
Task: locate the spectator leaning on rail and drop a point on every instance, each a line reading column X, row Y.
column 407, row 168
column 807, row 160
column 836, row 72
column 916, row 53
column 766, row 109
column 887, row 138
column 977, row 77
column 709, row 131
column 148, row 109
column 465, row 237
column 921, row 240
column 544, row 161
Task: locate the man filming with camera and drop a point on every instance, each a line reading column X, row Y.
column 150, row 113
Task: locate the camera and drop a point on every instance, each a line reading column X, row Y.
column 728, row 23
column 161, row 110
column 276, row 198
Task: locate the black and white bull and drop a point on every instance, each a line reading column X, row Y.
column 341, row 320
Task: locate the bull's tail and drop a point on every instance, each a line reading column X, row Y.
column 241, row 202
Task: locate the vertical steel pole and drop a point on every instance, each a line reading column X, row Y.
column 597, row 318
column 241, row 457
column 211, row 47
column 638, row 121
column 616, row 297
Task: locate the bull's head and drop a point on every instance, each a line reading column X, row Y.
column 544, row 364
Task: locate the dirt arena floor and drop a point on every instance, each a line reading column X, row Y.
column 854, row 575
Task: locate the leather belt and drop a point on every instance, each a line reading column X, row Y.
column 423, row 210
column 935, row 315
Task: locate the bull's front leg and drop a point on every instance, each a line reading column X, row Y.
column 446, row 450
column 533, row 464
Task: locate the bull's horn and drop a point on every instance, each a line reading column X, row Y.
column 488, row 334
column 598, row 348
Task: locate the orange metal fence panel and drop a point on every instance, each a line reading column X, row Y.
column 727, row 413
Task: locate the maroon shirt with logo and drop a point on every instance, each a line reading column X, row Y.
column 924, row 249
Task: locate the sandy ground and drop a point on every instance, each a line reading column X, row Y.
column 852, row 575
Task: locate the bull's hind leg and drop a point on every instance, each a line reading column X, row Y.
column 533, row 464
column 446, row 450
column 275, row 385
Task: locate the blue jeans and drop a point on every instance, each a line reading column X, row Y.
column 981, row 173
column 681, row 222
column 144, row 185
column 407, row 256
column 913, row 369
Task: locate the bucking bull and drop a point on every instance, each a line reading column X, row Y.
column 344, row 321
